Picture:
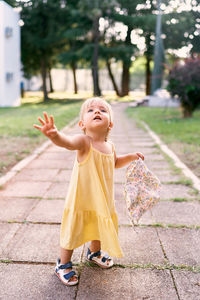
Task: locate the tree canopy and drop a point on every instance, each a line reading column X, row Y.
column 75, row 31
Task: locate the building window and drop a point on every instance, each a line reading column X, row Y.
column 9, row 77
column 8, row 32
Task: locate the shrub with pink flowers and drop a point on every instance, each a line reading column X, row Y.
column 184, row 82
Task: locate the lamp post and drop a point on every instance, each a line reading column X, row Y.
column 156, row 79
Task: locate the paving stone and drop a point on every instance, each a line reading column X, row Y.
column 25, row 189
column 129, row 284
column 126, row 145
column 50, row 164
column 166, row 172
column 136, row 132
column 117, row 139
column 181, row 245
column 153, row 165
column 120, row 175
column 63, row 176
column 154, row 157
column 7, row 231
column 37, row 243
column 119, row 192
column 188, row 284
column 171, row 191
column 65, row 156
column 142, row 139
column 122, row 213
column 15, row 209
column 167, row 177
column 57, row 190
column 169, row 212
column 140, row 144
column 31, row 282
column 138, row 135
column 49, row 211
column 121, row 151
column 132, row 149
column 54, row 148
column 140, row 246
column 147, row 150
column 36, row 175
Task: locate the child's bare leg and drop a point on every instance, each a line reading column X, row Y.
column 65, row 257
column 96, row 246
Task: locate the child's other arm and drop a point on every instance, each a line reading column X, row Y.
column 123, row 160
column 49, row 130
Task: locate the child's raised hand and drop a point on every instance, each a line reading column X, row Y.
column 139, row 155
column 48, row 128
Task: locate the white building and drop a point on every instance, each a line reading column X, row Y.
column 9, row 56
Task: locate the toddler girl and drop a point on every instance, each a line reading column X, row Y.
column 89, row 211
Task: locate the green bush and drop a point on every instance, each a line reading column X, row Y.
column 184, row 82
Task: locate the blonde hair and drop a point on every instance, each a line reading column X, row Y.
column 89, row 102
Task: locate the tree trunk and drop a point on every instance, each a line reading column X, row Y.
column 73, row 66
column 125, row 79
column 50, row 81
column 112, row 77
column 187, row 112
column 44, row 76
column 126, row 66
column 95, row 75
column 148, row 75
column 148, row 55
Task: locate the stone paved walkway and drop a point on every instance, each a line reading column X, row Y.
column 161, row 256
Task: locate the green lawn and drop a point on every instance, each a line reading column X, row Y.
column 18, row 121
column 182, row 135
column 18, row 137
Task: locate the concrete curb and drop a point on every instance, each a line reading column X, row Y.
column 24, row 162
column 178, row 163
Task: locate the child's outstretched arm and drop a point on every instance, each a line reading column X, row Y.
column 49, row 129
column 123, row 160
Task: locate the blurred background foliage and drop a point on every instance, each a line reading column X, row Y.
column 94, row 34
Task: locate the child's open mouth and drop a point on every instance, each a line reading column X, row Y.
column 97, row 118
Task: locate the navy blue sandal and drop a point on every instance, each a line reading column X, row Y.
column 100, row 261
column 63, row 276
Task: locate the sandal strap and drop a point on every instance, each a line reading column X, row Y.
column 69, row 275
column 98, row 253
column 90, row 254
column 66, row 266
column 105, row 257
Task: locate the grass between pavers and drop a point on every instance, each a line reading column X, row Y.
column 160, row 225
column 181, row 135
column 166, row 266
column 182, row 181
column 18, row 137
column 179, row 200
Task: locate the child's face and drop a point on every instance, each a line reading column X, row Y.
column 96, row 117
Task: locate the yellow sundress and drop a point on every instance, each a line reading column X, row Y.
column 89, row 210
